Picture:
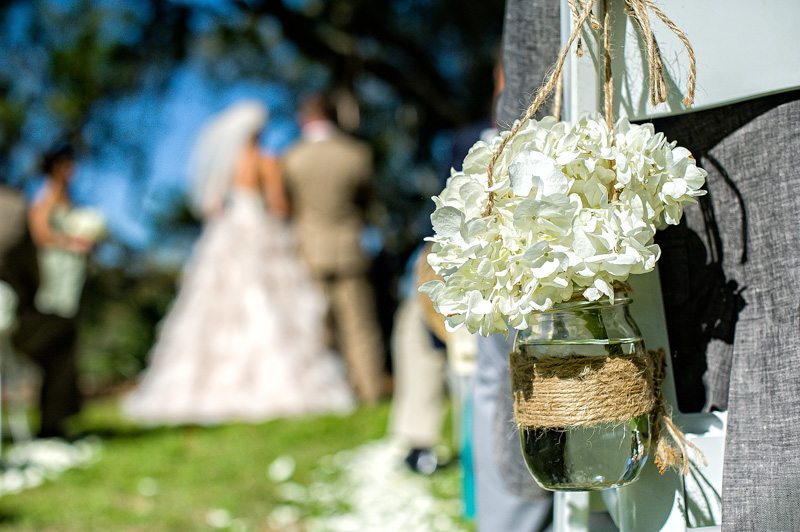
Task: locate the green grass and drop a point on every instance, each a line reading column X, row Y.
column 194, row 469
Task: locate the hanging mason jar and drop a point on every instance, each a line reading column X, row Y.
column 583, row 395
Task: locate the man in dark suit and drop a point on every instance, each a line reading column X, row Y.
column 47, row 339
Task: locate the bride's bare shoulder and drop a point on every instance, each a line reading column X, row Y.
column 247, row 170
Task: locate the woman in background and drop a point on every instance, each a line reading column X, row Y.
column 242, row 341
column 49, row 291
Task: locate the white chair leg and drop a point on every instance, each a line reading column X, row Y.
column 13, row 370
column 571, row 511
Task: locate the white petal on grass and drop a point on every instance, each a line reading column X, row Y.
column 281, row 469
column 28, row 464
column 147, row 487
column 284, row 517
column 293, row 492
column 218, row 518
column 381, row 494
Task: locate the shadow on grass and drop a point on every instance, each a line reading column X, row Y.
column 133, row 432
column 8, row 517
column 103, row 421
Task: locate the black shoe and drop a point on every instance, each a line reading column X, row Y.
column 422, row 461
column 51, row 433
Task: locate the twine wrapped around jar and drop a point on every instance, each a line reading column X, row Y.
column 577, row 391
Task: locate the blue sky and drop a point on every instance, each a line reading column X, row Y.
column 138, row 144
column 142, row 171
column 135, row 167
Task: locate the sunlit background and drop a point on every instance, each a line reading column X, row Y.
column 131, row 81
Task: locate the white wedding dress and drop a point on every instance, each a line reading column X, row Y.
column 243, row 340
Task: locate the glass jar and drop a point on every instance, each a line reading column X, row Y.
column 594, row 456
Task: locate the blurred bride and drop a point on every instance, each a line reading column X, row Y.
column 243, row 339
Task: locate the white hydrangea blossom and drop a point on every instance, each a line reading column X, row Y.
column 575, row 209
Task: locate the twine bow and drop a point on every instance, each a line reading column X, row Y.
column 672, row 445
column 582, row 10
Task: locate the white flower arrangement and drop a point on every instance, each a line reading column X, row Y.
column 86, row 223
column 575, row 209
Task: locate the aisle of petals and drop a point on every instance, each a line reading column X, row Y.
column 366, row 488
column 27, row 465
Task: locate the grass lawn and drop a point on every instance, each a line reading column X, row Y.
column 173, row 479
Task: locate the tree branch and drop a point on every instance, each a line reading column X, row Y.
column 334, row 47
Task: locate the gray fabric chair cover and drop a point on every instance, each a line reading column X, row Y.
column 731, row 278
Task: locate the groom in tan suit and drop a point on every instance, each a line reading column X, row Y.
column 328, row 177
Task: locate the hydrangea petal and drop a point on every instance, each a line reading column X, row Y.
column 447, row 221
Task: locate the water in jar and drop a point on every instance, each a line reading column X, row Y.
column 588, row 458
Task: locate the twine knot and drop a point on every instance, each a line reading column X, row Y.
column 671, row 443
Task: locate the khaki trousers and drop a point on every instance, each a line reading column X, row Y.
column 354, row 327
column 420, row 371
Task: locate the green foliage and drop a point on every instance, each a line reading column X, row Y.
column 433, row 56
column 118, row 328
column 12, row 118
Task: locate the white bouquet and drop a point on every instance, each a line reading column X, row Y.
column 63, row 271
column 574, row 209
column 85, row 223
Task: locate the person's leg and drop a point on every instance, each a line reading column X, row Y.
column 419, row 374
column 324, row 285
column 59, row 396
column 353, row 306
column 50, row 342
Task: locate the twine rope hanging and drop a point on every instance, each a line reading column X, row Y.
column 560, row 393
column 582, row 11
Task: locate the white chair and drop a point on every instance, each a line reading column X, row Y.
column 671, row 502
column 655, row 502
column 461, row 355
